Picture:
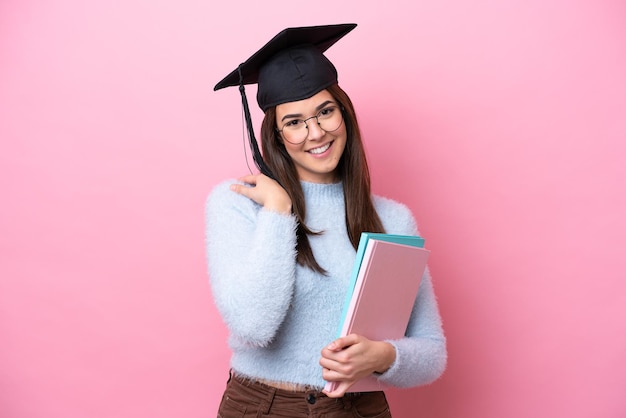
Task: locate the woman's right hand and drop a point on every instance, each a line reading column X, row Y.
column 264, row 191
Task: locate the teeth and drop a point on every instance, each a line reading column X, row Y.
column 320, row 149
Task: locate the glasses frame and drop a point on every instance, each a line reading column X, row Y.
column 316, row 117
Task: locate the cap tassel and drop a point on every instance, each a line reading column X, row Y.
column 254, row 146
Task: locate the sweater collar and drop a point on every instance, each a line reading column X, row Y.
column 322, row 191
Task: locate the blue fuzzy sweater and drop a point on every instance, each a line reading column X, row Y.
column 280, row 315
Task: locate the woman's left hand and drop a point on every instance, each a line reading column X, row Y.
column 353, row 357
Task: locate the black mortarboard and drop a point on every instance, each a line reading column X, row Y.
column 288, row 68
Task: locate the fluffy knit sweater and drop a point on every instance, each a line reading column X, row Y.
column 280, row 314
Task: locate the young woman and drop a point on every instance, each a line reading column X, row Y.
column 281, row 245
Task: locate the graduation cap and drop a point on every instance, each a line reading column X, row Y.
column 288, row 68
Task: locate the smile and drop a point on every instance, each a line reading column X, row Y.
column 321, row 149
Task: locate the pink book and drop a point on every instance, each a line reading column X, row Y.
column 384, row 294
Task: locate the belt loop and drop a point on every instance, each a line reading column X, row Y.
column 266, row 405
column 347, row 402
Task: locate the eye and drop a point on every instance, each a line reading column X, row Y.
column 294, row 123
column 326, row 112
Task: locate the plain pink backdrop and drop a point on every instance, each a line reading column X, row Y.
column 502, row 124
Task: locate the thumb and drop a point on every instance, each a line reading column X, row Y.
column 339, row 391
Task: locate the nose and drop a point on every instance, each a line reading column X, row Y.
column 314, row 129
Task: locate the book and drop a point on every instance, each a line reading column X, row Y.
column 381, row 292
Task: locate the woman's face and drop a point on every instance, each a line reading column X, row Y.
column 317, row 157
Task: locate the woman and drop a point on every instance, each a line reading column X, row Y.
column 281, row 245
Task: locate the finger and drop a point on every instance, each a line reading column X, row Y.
column 332, row 376
column 330, row 364
column 240, row 188
column 338, row 368
column 249, row 179
column 343, row 342
column 338, row 356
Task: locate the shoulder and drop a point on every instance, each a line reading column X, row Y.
column 221, row 200
column 395, row 216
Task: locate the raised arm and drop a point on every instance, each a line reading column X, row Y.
column 251, row 258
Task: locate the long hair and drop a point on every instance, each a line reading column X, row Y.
column 353, row 172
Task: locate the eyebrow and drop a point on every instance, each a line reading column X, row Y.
column 317, row 109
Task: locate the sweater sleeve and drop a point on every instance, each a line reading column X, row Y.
column 252, row 261
column 421, row 356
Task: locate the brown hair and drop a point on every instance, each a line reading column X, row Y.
column 352, row 169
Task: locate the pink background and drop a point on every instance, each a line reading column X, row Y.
column 502, row 124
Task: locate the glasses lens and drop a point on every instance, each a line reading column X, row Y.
column 329, row 118
column 296, row 131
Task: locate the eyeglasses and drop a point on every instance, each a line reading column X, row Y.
column 296, row 131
